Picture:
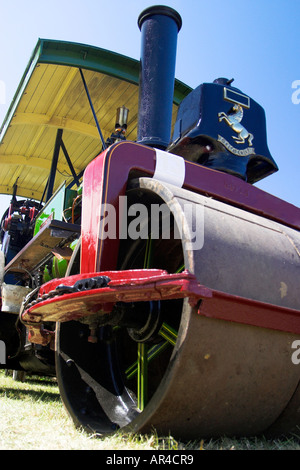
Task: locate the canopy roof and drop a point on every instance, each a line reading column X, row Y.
column 52, row 96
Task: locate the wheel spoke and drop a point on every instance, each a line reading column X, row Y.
column 168, row 333
column 148, row 253
column 142, row 353
column 145, row 353
column 153, row 352
column 142, row 369
column 180, row 269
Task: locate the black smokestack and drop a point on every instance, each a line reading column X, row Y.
column 159, row 26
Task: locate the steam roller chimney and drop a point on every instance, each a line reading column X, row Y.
column 159, row 27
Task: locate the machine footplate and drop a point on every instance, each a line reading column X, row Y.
column 78, row 296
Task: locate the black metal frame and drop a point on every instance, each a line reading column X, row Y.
column 59, row 144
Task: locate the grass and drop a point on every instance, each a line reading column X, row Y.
column 32, row 417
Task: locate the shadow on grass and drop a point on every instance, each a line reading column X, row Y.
column 48, row 381
column 32, row 388
column 38, row 395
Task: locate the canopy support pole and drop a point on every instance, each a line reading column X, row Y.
column 93, row 110
column 54, row 164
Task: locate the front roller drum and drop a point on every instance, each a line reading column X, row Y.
column 168, row 365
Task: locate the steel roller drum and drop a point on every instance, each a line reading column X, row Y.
column 230, row 369
column 225, row 377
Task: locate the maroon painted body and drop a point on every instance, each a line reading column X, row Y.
column 105, row 180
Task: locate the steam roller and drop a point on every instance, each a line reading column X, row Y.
column 214, row 368
column 179, row 307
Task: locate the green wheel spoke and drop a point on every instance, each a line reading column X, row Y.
column 152, row 353
column 148, row 253
column 131, row 371
column 145, row 354
column 142, row 369
column 142, row 360
column 180, row 269
column 156, row 350
column 168, row 333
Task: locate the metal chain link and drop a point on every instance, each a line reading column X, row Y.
column 79, row 286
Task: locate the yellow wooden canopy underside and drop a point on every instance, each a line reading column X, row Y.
column 52, row 96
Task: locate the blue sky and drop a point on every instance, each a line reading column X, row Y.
column 256, row 42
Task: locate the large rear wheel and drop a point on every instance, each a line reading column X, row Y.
column 109, row 381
